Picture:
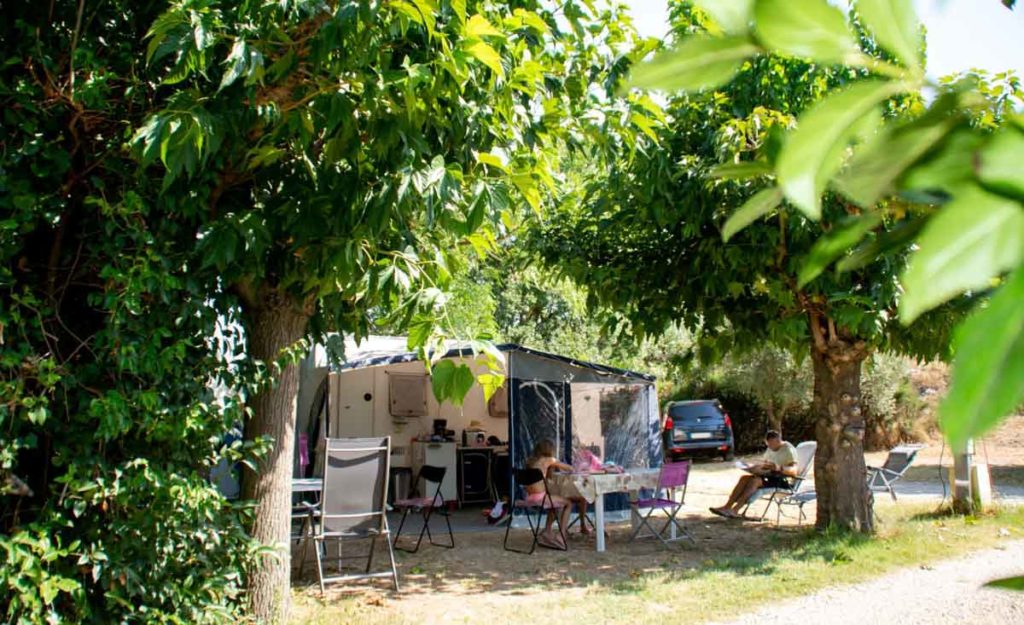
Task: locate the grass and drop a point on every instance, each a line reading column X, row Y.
column 792, row 563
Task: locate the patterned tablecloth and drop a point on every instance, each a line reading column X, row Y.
column 590, row 485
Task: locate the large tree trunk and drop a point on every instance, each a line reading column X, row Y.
column 839, row 472
column 274, row 321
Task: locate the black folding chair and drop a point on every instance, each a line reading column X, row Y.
column 540, row 505
column 354, row 504
column 895, row 467
column 426, row 506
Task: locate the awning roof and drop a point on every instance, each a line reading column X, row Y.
column 375, row 351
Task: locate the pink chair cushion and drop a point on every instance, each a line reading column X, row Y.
column 655, row 503
column 538, row 500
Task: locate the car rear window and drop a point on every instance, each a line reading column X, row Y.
column 691, row 412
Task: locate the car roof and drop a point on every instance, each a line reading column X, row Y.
column 691, row 402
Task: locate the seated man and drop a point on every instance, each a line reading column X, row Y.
column 779, row 463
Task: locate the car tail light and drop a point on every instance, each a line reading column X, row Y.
column 668, row 423
column 728, row 421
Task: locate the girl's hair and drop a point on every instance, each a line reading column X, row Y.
column 543, row 449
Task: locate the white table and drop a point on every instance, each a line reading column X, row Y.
column 594, row 486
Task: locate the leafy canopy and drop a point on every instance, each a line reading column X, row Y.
column 950, row 165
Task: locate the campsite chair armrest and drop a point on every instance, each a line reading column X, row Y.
column 883, row 472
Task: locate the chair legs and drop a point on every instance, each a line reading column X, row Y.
column 321, row 544
column 534, row 530
column 584, row 520
column 427, row 513
column 671, row 521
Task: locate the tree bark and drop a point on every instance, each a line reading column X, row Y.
column 274, row 321
column 774, row 421
column 839, row 471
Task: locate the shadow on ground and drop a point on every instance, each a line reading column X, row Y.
column 480, row 564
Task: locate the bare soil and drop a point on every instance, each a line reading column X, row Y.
column 478, row 578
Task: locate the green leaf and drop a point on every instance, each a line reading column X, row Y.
column 459, row 8
column 419, row 332
column 988, row 371
column 492, row 160
column 813, row 152
column 894, row 25
column 1008, row 583
column 1001, row 164
column 486, row 55
column 490, row 382
column 700, row 62
column 971, row 240
column 898, row 236
column 740, row 171
column 478, row 26
column 236, row 63
column 874, row 169
column 951, row 167
column 757, row 206
column 528, row 187
column 805, row 28
column 834, row 244
column 451, row 382
column 732, row 15
column 429, row 10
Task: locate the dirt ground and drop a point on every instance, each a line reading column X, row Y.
column 434, row 580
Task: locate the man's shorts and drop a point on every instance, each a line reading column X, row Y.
column 775, row 480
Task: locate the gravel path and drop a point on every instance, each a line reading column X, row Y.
column 948, row 592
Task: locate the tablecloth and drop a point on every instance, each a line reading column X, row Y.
column 589, row 485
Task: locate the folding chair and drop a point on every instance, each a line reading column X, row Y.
column 426, row 506
column 541, row 507
column 302, row 529
column 673, row 476
column 585, row 520
column 893, row 469
column 804, row 461
column 799, row 498
column 354, row 503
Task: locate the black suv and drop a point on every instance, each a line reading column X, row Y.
column 697, row 427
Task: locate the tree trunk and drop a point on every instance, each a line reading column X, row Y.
column 274, row 322
column 774, row 421
column 839, row 471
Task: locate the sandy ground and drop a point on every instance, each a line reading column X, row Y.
column 478, row 566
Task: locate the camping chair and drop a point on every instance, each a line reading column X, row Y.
column 426, row 506
column 353, row 504
column 546, row 504
column 893, row 469
column 585, row 520
column 804, row 461
column 302, row 528
column 674, row 475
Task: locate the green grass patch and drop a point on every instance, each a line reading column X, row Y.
column 727, row 584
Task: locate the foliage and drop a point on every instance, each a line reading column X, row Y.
column 780, row 383
column 105, row 351
column 954, row 176
column 647, row 242
column 173, row 171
